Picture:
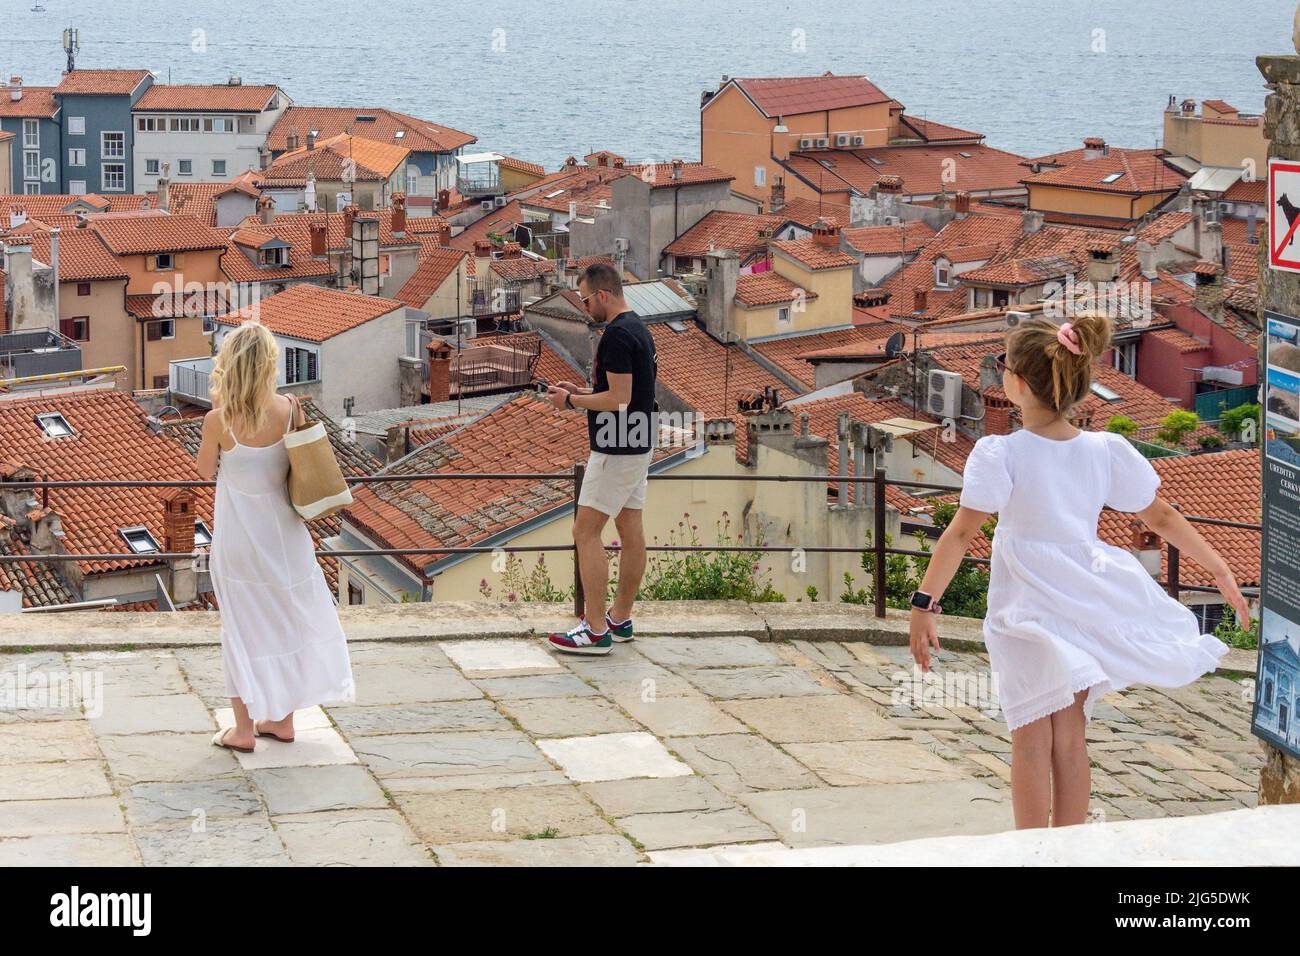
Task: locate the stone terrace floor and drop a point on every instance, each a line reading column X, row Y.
column 494, row 751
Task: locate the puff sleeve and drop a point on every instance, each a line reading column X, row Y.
column 986, row 480
column 1133, row 482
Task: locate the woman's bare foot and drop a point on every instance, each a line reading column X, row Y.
column 279, row 729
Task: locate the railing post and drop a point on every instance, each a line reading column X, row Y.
column 1172, row 584
column 579, row 471
column 878, row 541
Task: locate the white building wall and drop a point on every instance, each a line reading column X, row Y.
column 238, row 149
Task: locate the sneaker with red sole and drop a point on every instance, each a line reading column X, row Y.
column 580, row 640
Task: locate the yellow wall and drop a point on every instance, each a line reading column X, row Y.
column 1216, row 144
column 736, row 137
column 1083, row 202
column 111, row 329
column 833, row 305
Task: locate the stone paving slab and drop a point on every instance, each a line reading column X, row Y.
column 500, row 752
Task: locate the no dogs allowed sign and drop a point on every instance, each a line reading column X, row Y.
column 1284, row 215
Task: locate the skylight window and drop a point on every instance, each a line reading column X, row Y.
column 558, row 192
column 1113, row 177
column 676, row 326
column 964, row 155
column 1104, row 393
column 139, row 540
column 875, row 159
column 202, row 536
column 400, row 134
column 54, row 425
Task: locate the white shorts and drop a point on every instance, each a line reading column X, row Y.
column 615, row 482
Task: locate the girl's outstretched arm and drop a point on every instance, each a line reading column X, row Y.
column 944, row 561
column 1164, row 519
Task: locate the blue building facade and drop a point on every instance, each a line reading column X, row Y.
column 31, row 114
column 96, row 128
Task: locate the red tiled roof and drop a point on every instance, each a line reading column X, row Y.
column 889, row 240
column 1247, row 191
column 417, row 134
column 1021, row 272
column 522, row 166
column 82, row 256
column 102, row 82
column 708, row 376
column 811, row 254
column 807, row 211
column 209, row 98
column 790, row 96
column 337, row 158
column 434, row 268
column 768, row 288
column 37, row 581
column 921, row 167
column 176, row 305
column 1179, row 340
column 1222, row 485
column 313, row 313
column 1140, row 171
column 45, row 205
column 339, row 240
column 522, row 269
column 143, row 235
column 787, row 352
column 239, row 261
column 746, row 234
column 111, row 440
column 523, row 434
column 932, row 132
column 37, row 101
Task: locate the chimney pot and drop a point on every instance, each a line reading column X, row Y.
column 920, row 300
column 399, row 214
column 439, row 371
column 318, row 232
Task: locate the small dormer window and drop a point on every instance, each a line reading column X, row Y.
column 139, row 540
column 942, row 275
column 278, row 256
column 202, row 536
column 164, row 261
column 54, row 425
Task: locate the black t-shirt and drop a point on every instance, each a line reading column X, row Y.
column 626, row 348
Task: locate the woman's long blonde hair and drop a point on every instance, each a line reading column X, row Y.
column 242, row 382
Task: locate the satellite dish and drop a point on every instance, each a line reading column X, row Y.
column 895, row 344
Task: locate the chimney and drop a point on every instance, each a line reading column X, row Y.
column 399, row 214
column 511, row 250
column 721, row 269
column 619, row 162
column 263, row 157
column 439, row 371
column 444, row 198
column 311, row 139
column 397, row 442
column 1210, row 291
column 291, row 141
column 18, row 264
column 164, row 190
column 1103, row 263
column 349, row 213
column 889, row 184
column 920, row 299
column 997, row 416
column 17, row 216
column 961, row 203
column 1094, row 147
column 777, row 202
column 15, row 88
column 1189, row 107
column 444, row 234
column 570, row 164
column 1031, row 221
column 483, row 248
column 677, row 169
column 1146, row 256
column 178, row 538
column 1146, row 546
column 318, row 232
column 266, row 209
column 826, row 234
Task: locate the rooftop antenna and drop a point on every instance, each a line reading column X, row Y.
column 72, row 46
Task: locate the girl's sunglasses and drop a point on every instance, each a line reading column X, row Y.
column 1001, row 360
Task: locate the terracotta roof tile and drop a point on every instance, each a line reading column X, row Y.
column 745, row 234
column 792, row 95
column 788, row 352
column 768, row 288
column 37, row 101
column 921, row 167
column 161, row 232
column 102, row 82
column 416, row 134
column 1130, row 171
column 813, row 254
column 209, row 98
column 312, row 313
column 889, row 240
column 434, row 268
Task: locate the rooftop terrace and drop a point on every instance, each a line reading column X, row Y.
column 730, row 733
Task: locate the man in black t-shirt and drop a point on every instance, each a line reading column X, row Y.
column 622, row 430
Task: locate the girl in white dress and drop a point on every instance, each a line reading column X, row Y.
column 282, row 646
column 1070, row 617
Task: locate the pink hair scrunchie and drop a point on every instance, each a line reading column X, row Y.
column 1069, row 338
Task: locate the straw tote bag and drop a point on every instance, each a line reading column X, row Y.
column 316, row 485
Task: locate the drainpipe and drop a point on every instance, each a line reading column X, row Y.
column 54, row 266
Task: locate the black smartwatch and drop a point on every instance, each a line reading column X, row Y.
column 925, row 602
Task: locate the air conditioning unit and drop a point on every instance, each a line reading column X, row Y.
column 1015, row 318
column 893, row 220
column 806, row 143
column 843, row 139
column 620, row 244
column 1225, row 208
column 488, row 205
column 823, row 141
column 501, row 201
column 859, row 141
column 943, row 393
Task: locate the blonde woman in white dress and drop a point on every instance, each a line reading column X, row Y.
column 281, row 643
column 1070, row 617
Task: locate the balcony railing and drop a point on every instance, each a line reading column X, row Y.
column 188, row 378
column 877, row 547
column 32, row 352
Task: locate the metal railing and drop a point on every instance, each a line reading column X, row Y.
column 189, row 378
column 877, row 546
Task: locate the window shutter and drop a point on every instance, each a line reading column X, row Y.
column 150, row 263
column 178, row 261
column 154, row 331
column 290, row 366
column 311, row 366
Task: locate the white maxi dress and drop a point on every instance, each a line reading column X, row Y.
column 1066, row 611
column 282, row 646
